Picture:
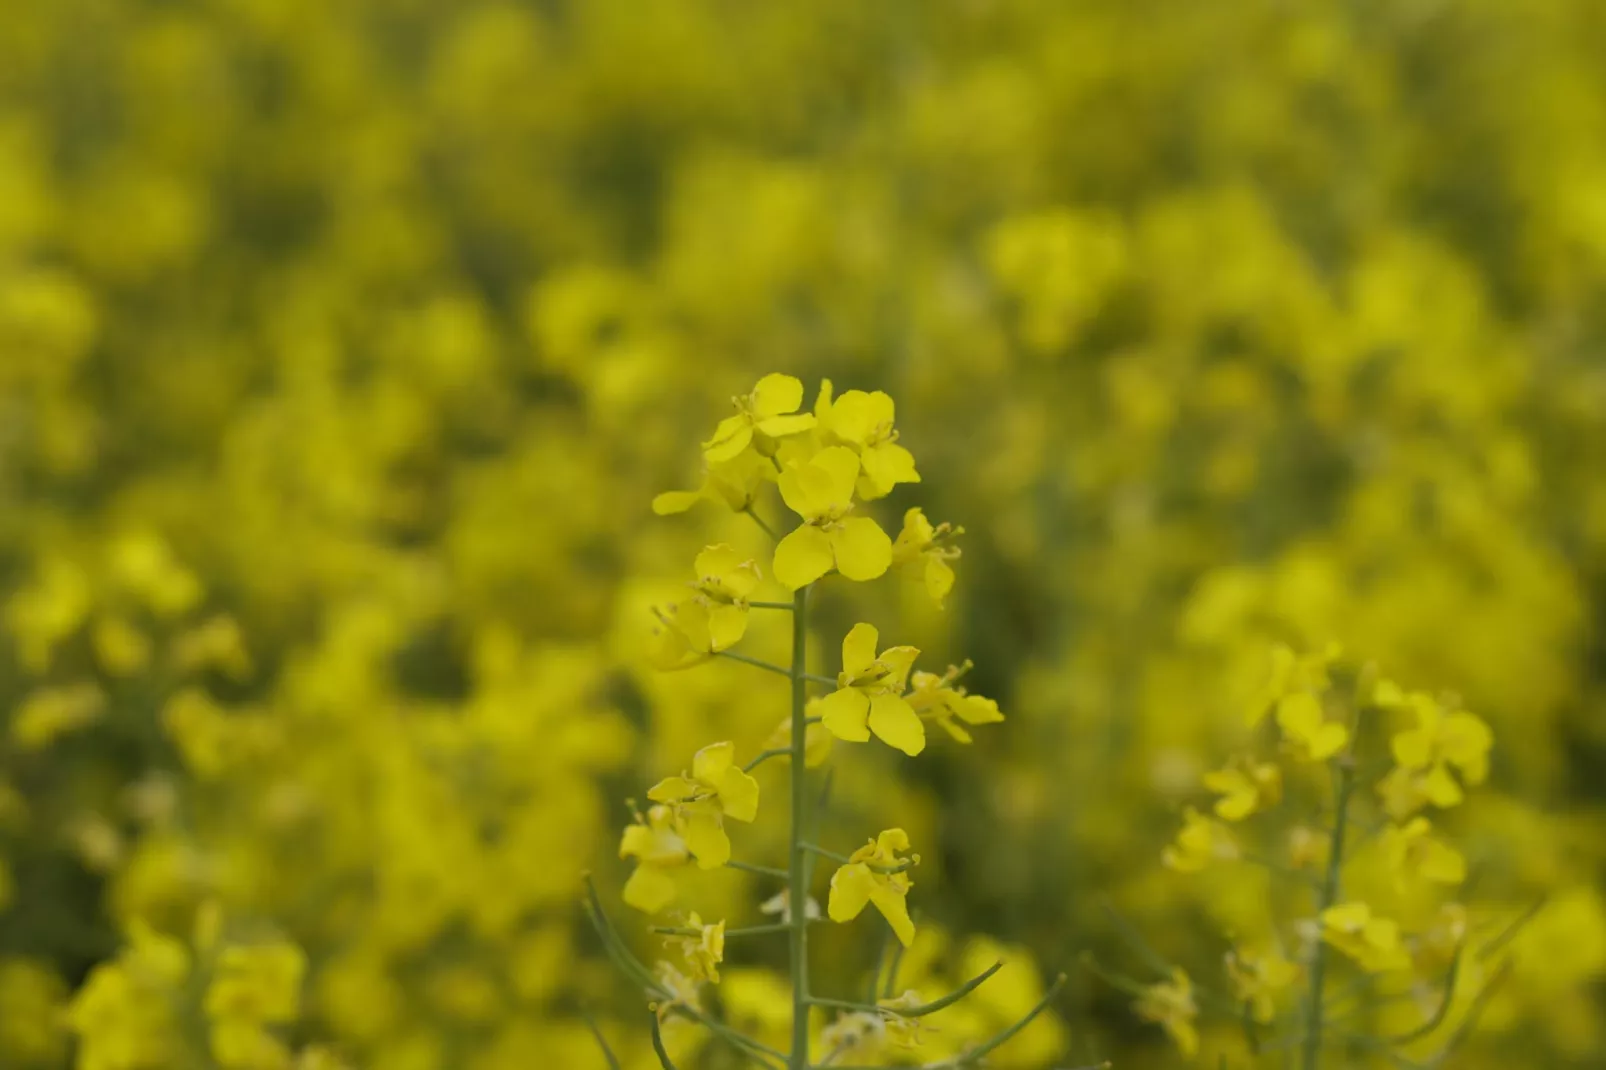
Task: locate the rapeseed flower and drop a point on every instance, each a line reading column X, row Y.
column 1372, row 941
column 926, row 549
column 869, row 696
column 1170, row 1005
column 876, row 874
column 863, row 421
column 659, row 850
column 769, row 412
column 717, row 788
column 940, row 699
column 820, row 490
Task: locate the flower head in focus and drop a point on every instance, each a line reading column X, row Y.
column 869, row 696
column 820, row 490
column 875, row 874
column 717, row 788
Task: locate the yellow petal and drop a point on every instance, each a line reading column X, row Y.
column 708, row 765
column 887, row 465
column 898, row 661
column 1327, row 741
column 649, row 889
column 777, row 393
column 840, row 466
column 891, row 842
column 853, row 416
column 850, row 891
column 803, row 556
column 845, row 714
column 731, row 437
column 895, row 909
column 862, row 549
column 738, row 794
column 1413, row 749
column 781, row 426
column 858, row 649
column 939, row 579
column 705, row 835
column 975, row 709
column 715, row 561
column 726, row 626
column 675, row 501
column 1299, row 715
column 892, row 720
column 673, row 789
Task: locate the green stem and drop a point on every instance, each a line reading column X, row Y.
column 757, row 663
column 762, row 871
column 760, row 522
column 772, row 605
column 1326, row 897
column 798, row 891
column 919, row 1010
column 766, row 755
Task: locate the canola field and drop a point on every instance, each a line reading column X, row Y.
column 694, row 535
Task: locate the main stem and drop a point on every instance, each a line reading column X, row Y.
column 798, row 889
column 1327, row 895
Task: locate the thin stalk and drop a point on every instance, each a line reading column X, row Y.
column 798, row 889
column 757, row 663
column 658, row 1046
column 1311, row 1057
column 772, row 605
column 762, row 871
column 602, row 1041
column 764, row 756
column 760, row 522
column 920, row 1010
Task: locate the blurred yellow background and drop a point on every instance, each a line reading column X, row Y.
column 343, row 347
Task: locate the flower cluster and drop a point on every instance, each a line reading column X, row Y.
column 828, row 466
column 1334, row 805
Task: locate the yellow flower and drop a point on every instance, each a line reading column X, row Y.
column 715, row 619
column 1371, row 941
column 1441, row 741
column 659, row 851
column 869, row 696
column 1170, row 1004
column 936, row 698
column 1291, row 673
column 736, row 483
column 768, row 413
column 875, row 874
column 923, row 546
column 1311, row 736
column 1245, row 786
column 864, row 422
column 856, row 1036
column 820, row 490
column 704, row 951
column 257, row 983
column 1200, row 841
column 1413, row 853
column 1259, row 978
column 717, row 788
column 725, row 581
column 680, row 989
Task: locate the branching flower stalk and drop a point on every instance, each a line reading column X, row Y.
column 1389, row 910
column 827, row 465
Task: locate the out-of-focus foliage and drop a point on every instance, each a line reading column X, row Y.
column 343, row 345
